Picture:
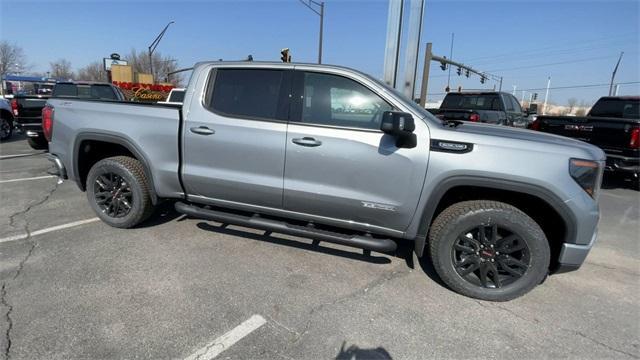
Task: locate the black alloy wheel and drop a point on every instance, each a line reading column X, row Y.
column 113, row 195
column 490, row 256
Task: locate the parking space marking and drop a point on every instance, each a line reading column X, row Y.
column 217, row 346
column 19, row 155
column 27, row 179
column 49, row 229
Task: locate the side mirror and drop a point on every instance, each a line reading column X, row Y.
column 396, row 123
column 401, row 126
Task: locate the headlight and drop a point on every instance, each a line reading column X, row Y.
column 587, row 174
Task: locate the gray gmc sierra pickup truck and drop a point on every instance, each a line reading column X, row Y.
column 334, row 155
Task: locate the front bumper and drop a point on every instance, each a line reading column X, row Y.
column 572, row 256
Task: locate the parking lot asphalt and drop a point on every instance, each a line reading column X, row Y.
column 75, row 288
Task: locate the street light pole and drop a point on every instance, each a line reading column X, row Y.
column 320, row 13
column 153, row 46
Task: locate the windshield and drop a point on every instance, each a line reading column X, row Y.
column 410, row 103
column 472, row 102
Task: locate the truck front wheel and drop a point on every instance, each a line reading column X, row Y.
column 488, row 250
column 118, row 191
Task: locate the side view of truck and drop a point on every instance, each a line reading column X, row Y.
column 612, row 124
column 332, row 154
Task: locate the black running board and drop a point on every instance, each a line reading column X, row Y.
column 255, row 221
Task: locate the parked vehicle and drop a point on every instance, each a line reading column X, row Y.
column 27, row 112
column 28, row 108
column 491, row 107
column 6, row 119
column 175, row 97
column 262, row 145
column 612, row 124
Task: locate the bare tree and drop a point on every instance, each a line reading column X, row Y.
column 162, row 65
column 581, row 112
column 572, row 102
column 93, row 72
column 12, row 60
column 61, row 69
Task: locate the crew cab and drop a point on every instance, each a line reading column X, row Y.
column 612, row 124
column 490, row 107
column 334, row 155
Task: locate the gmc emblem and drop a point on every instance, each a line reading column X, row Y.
column 579, row 127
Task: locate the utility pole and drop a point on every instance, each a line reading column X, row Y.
column 392, row 48
column 319, row 12
column 514, row 90
column 450, row 57
column 153, row 46
column 425, row 75
column 522, row 101
column 411, row 50
column 500, row 84
column 546, row 97
column 613, row 76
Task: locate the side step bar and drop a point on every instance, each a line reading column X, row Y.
column 255, row 221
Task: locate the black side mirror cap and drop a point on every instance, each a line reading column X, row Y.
column 397, row 123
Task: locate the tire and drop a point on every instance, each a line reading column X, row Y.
column 6, row 129
column 38, row 143
column 115, row 183
column 513, row 262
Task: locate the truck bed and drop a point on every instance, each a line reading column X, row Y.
column 151, row 131
column 612, row 135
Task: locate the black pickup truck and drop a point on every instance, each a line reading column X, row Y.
column 491, row 107
column 27, row 112
column 613, row 124
column 28, row 108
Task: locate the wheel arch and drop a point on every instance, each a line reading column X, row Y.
column 547, row 209
column 108, row 145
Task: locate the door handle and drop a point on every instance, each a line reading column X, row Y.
column 307, row 141
column 202, row 130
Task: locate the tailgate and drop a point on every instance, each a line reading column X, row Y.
column 486, row 116
column 610, row 134
column 30, row 108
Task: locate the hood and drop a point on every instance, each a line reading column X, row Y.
column 523, row 139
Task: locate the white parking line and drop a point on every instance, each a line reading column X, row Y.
column 27, row 179
column 49, row 229
column 217, row 346
column 19, row 155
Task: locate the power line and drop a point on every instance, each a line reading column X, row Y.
column 581, row 86
column 561, row 47
column 556, row 63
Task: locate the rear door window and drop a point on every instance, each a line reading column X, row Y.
column 249, row 93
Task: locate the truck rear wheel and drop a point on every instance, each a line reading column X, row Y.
column 488, row 250
column 38, row 143
column 118, row 191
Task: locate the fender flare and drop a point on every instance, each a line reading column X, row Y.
column 427, row 212
column 115, row 139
